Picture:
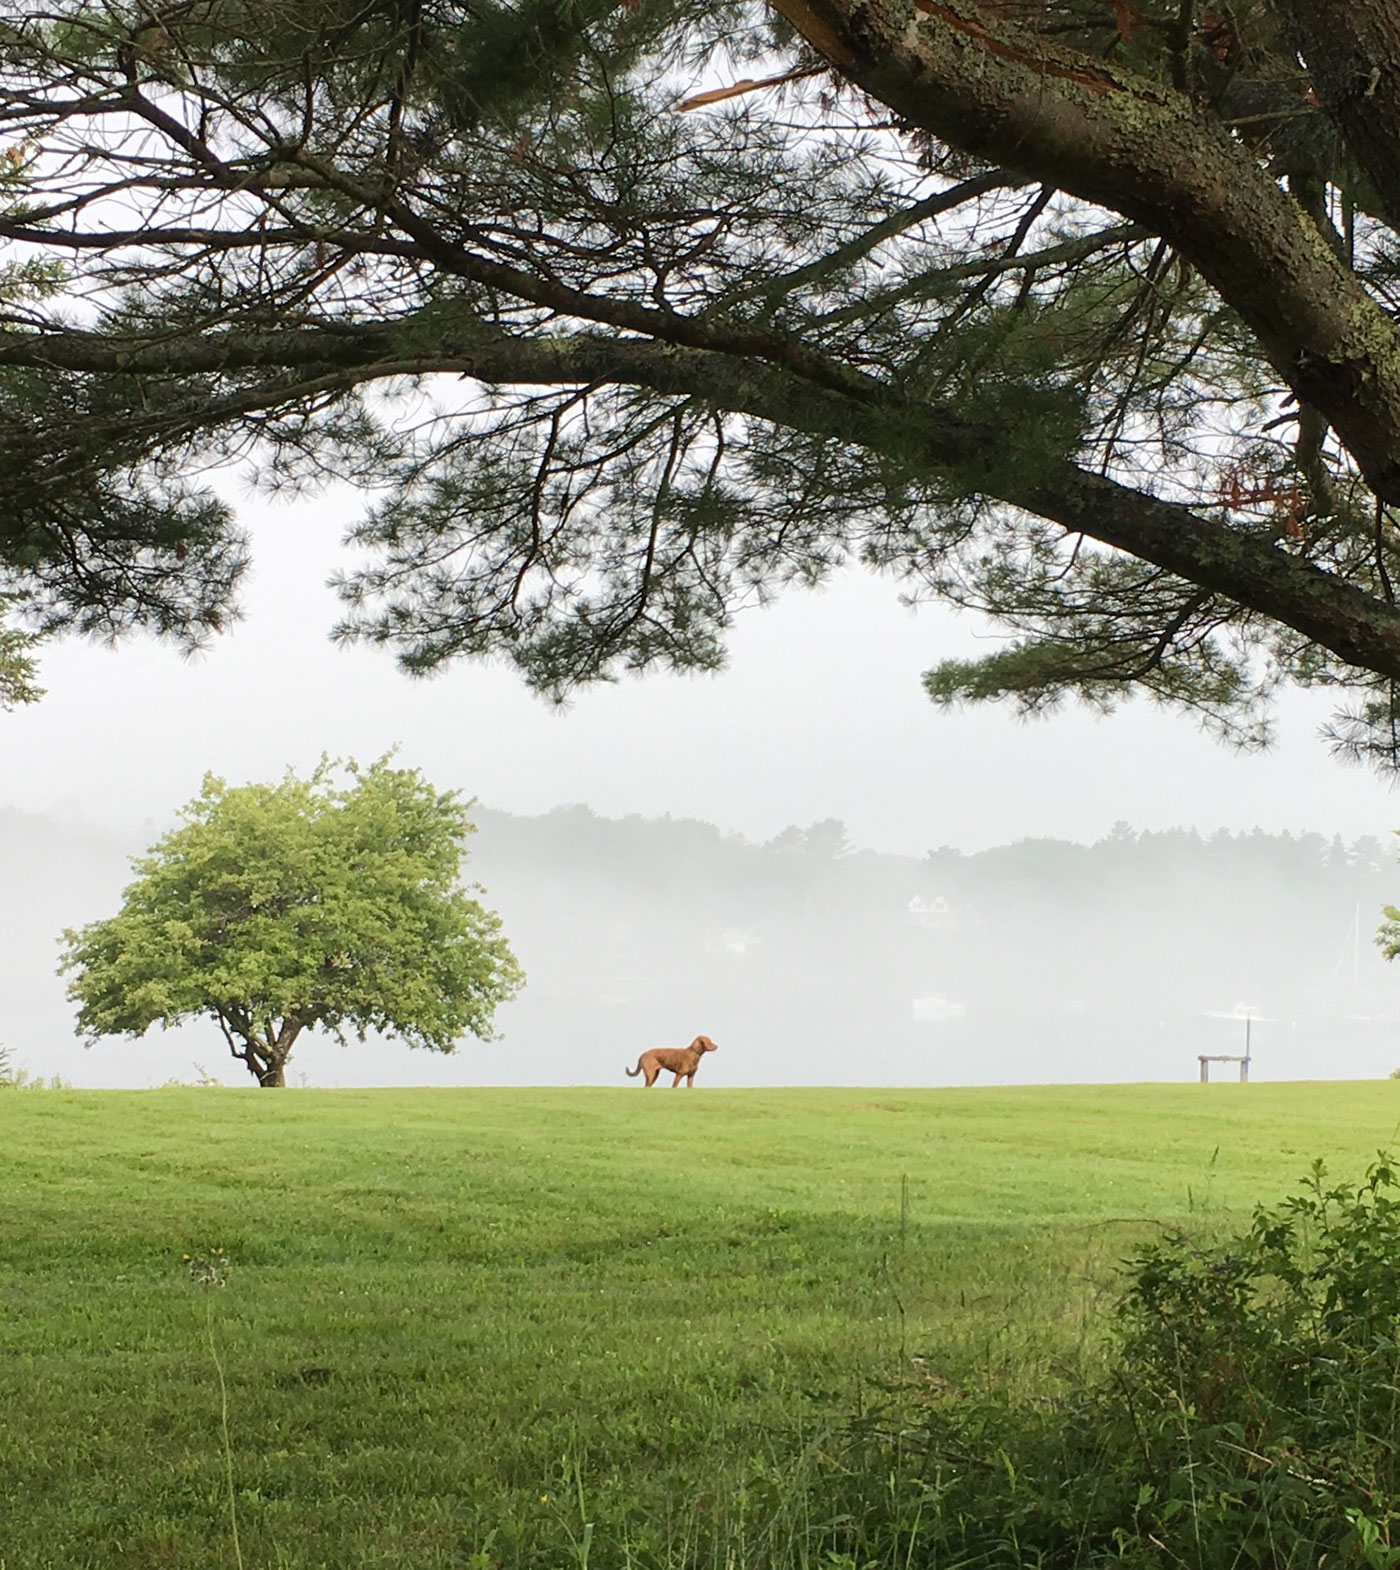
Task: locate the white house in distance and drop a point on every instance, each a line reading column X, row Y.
column 935, row 912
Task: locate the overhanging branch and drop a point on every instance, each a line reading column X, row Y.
column 1146, row 151
column 1358, row 629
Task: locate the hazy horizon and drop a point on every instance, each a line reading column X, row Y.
column 819, row 715
column 1045, row 961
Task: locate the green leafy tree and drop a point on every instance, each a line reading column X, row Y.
column 309, row 904
column 1388, row 937
column 1078, row 312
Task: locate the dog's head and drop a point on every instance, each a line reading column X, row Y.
column 703, row 1044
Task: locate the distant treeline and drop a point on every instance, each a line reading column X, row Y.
column 1106, row 944
column 807, row 958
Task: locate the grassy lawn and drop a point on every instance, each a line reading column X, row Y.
column 554, row 1327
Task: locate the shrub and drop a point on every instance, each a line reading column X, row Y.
column 1248, row 1418
column 1260, row 1381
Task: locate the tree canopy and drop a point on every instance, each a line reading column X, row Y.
column 1079, row 312
column 309, row 904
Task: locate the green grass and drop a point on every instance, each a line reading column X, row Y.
column 462, row 1326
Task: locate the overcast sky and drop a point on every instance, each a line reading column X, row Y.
column 819, row 714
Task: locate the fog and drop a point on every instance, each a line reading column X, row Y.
column 812, row 962
column 678, row 904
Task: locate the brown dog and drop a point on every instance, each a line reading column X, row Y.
column 680, row 1061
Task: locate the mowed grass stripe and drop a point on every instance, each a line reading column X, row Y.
column 441, row 1300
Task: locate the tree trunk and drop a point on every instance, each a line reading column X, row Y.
column 1094, row 129
column 272, row 1070
column 265, row 1056
column 1352, row 49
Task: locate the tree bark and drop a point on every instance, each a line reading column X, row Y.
column 1352, row 49
column 1146, row 151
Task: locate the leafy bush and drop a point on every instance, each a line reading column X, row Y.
column 1249, row 1417
column 1262, row 1379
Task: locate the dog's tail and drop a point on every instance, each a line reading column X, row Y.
column 635, row 1071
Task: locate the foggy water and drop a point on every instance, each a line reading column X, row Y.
column 812, row 962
